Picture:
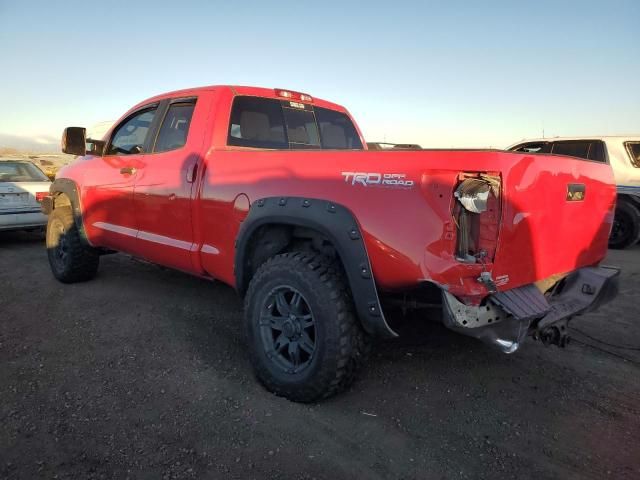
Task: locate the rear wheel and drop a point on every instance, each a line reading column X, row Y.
column 71, row 259
column 305, row 341
column 626, row 226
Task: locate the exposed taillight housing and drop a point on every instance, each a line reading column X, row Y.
column 40, row 196
column 477, row 214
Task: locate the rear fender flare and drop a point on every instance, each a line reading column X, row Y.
column 339, row 226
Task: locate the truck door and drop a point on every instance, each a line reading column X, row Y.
column 164, row 184
column 107, row 197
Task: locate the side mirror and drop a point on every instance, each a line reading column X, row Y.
column 73, row 141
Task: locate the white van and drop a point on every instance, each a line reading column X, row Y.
column 623, row 154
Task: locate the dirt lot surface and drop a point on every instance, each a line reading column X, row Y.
column 142, row 373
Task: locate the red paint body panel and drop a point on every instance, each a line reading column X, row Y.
column 410, row 233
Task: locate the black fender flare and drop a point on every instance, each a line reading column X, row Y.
column 339, row 225
column 70, row 189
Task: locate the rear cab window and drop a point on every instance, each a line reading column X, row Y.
column 286, row 125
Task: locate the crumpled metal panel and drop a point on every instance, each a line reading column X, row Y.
column 503, row 322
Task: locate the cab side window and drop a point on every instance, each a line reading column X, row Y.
column 337, row 130
column 129, row 137
column 257, row 123
column 175, row 126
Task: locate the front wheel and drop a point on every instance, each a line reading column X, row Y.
column 70, row 257
column 626, row 226
column 305, row 341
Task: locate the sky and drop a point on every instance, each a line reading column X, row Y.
column 438, row 73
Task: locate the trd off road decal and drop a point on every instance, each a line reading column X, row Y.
column 397, row 180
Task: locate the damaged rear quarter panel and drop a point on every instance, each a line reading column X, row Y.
column 541, row 233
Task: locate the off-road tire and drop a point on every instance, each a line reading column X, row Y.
column 626, row 228
column 341, row 345
column 79, row 261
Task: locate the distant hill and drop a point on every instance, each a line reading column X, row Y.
column 14, row 143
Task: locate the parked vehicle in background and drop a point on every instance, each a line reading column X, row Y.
column 623, row 154
column 393, row 146
column 23, row 186
column 50, row 164
column 274, row 193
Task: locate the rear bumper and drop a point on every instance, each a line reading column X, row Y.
column 20, row 220
column 508, row 317
column 581, row 292
column 584, row 291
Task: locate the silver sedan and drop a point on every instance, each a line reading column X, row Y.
column 23, row 186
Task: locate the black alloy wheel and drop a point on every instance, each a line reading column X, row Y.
column 288, row 329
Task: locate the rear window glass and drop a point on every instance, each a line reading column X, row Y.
column 21, row 172
column 532, row 147
column 268, row 123
column 587, row 149
column 634, row 153
column 596, row 152
column 573, row 149
column 302, row 128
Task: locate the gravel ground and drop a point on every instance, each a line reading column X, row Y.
column 142, row 373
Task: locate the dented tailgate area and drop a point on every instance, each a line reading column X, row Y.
column 506, row 316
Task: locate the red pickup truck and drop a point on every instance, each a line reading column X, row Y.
column 274, row 193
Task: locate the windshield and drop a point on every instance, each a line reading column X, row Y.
column 21, row 172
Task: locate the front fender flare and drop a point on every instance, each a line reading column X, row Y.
column 70, row 189
column 339, row 225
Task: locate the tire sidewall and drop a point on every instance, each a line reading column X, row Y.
column 52, row 237
column 630, row 216
column 324, row 311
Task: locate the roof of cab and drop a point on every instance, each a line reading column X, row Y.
column 242, row 90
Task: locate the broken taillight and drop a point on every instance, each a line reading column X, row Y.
column 477, row 216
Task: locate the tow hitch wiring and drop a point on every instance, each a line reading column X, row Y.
column 604, row 350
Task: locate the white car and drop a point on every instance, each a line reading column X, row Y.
column 623, row 154
column 23, row 186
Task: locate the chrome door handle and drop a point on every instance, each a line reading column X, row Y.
column 127, row 170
